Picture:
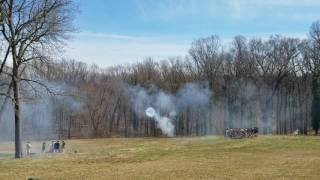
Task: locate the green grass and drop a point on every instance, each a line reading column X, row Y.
column 266, row 157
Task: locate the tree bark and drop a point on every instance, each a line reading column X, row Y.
column 17, row 120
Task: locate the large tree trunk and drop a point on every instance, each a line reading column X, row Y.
column 69, row 127
column 315, row 103
column 17, row 120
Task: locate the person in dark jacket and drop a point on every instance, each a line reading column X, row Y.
column 56, row 147
column 43, row 149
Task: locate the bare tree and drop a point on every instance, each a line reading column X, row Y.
column 205, row 53
column 312, row 56
column 31, row 29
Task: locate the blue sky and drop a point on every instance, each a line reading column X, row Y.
column 126, row 31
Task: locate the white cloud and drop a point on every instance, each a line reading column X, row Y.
column 284, row 2
column 106, row 49
column 111, row 49
column 104, row 35
column 275, row 8
column 167, row 10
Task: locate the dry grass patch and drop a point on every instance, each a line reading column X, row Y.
column 266, row 157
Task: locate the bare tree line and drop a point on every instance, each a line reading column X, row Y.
column 271, row 84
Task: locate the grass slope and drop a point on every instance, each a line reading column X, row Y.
column 266, row 157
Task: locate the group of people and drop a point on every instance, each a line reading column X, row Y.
column 237, row 133
column 55, row 147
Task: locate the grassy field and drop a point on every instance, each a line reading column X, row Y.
column 266, row 157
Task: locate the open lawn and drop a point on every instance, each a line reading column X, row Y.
column 265, row 157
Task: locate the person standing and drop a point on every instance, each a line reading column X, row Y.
column 28, row 148
column 56, row 147
column 43, row 149
column 63, row 145
column 52, row 147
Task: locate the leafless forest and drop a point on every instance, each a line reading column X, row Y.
column 255, row 82
column 270, row 83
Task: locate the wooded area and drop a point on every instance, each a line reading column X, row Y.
column 269, row 83
column 265, row 83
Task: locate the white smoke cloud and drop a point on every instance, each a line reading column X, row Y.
column 163, row 107
column 164, row 123
column 37, row 110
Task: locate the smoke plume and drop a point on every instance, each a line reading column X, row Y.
column 37, row 110
column 163, row 107
column 164, row 123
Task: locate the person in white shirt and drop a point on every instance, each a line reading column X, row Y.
column 28, row 148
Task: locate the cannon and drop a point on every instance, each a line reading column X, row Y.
column 239, row 133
